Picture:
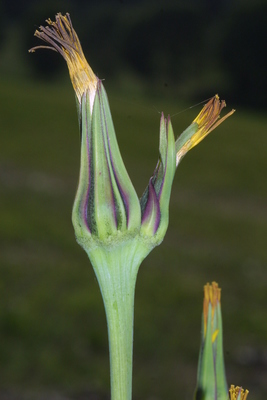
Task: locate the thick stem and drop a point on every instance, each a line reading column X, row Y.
column 116, row 271
column 119, row 306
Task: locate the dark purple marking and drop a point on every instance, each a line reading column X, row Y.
column 152, row 202
column 86, row 197
column 165, row 161
column 124, row 195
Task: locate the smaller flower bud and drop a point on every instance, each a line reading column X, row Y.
column 211, row 379
column 156, row 198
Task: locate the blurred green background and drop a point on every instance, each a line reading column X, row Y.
column 155, row 56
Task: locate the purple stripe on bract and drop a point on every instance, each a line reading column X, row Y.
column 123, row 193
column 152, row 201
column 164, row 164
column 86, row 199
column 102, row 111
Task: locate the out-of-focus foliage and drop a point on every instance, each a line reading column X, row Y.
column 189, row 48
column 52, row 323
column 244, row 55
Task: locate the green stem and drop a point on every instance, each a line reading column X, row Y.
column 116, row 271
column 119, row 306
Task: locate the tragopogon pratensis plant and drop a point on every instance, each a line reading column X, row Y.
column 115, row 228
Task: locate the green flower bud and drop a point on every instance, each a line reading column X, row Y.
column 211, row 379
column 106, row 204
column 156, row 198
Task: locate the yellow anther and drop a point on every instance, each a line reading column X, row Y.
column 237, row 393
column 212, row 295
column 207, row 120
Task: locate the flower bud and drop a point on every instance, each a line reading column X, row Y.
column 211, row 379
column 156, row 198
column 106, row 204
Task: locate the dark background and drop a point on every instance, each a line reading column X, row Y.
column 155, row 56
column 187, row 47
